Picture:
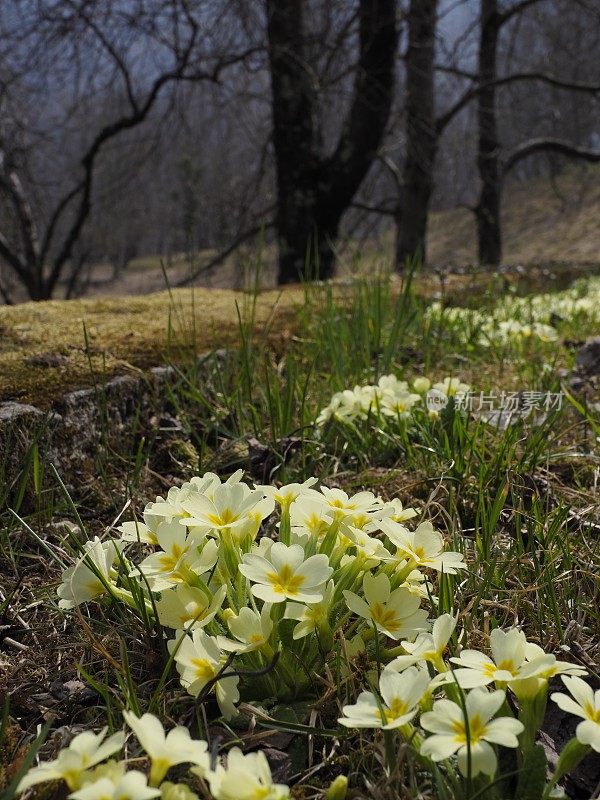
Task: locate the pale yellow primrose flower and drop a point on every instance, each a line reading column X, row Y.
column 286, row 575
column 427, row 646
column 205, row 485
column 80, row 583
column 506, row 665
column 452, row 387
column 86, row 750
column 395, row 511
column 138, row 531
column 534, row 651
column 417, row 583
column 401, row 693
column 227, row 510
column 371, row 549
column 246, row 777
column 166, row 750
column 399, row 405
column 394, row 613
column 130, row 786
column 311, row 616
column 188, row 606
column 311, row 516
column 447, row 722
column 284, row 496
column 176, row 791
column 392, row 384
column 252, row 630
column 424, row 547
column 584, row 703
column 198, row 659
column 178, row 560
column 342, row 506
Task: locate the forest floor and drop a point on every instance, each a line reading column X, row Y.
column 517, row 497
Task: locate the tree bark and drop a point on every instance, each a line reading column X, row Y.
column 487, row 211
column 313, row 191
column 421, row 144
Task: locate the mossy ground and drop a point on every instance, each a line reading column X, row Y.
column 49, row 348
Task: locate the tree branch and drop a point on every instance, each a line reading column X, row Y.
column 220, row 257
column 542, row 145
column 544, row 77
column 504, row 16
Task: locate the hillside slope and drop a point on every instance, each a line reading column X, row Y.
column 542, row 221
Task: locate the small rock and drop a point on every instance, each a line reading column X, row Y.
column 47, row 360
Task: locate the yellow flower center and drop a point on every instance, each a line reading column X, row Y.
column 204, row 670
column 257, row 638
column 226, row 517
column 477, row 730
column 592, row 713
column 196, row 613
column 285, row 582
column 509, row 665
column 168, row 560
column 386, row 617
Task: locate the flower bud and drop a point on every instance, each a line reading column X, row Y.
column 337, row 788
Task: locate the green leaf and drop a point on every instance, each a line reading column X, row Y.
column 532, row 778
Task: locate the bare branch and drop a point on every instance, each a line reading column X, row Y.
column 548, row 145
column 517, row 77
column 220, row 257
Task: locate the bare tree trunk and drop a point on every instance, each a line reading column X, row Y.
column 313, row 192
column 487, row 211
column 421, row 136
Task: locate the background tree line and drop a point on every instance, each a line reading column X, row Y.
column 135, row 127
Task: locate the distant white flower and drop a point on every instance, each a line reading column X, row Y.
column 246, row 777
column 455, row 734
column 401, row 693
column 87, row 578
column 392, row 384
column 452, row 387
column 584, row 703
column 166, row 750
column 423, row 547
column 421, row 385
column 86, row 750
column 399, row 405
column 394, row 613
column 188, row 607
column 131, row 785
column 286, row 575
column 199, row 660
